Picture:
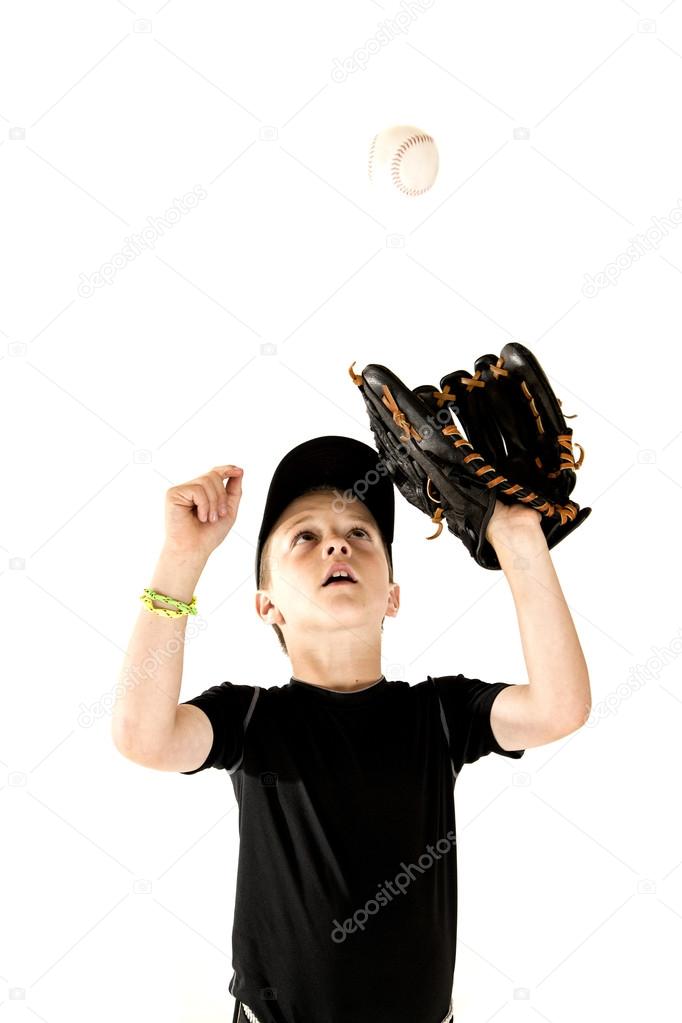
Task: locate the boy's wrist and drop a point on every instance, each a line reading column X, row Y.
column 176, row 575
column 183, row 560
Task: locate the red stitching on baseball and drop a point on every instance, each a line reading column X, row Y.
column 371, row 155
column 395, row 164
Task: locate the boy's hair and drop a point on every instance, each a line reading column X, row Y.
column 264, row 571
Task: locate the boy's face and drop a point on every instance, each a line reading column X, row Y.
column 309, row 536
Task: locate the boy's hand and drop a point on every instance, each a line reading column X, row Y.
column 507, row 519
column 189, row 507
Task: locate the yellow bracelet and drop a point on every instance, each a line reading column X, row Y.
column 150, row 595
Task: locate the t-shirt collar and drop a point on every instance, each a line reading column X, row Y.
column 338, row 692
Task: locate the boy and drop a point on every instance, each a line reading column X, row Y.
column 346, row 898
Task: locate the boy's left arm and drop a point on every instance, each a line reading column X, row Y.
column 557, row 699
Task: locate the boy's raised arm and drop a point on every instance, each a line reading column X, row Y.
column 151, row 676
column 144, row 715
column 557, row 698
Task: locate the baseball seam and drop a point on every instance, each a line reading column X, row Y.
column 396, row 161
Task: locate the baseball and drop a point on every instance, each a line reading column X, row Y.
column 403, row 158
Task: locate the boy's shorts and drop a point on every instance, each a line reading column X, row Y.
column 243, row 1014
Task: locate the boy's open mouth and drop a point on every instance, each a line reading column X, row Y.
column 337, row 573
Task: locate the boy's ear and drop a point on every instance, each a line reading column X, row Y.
column 393, row 602
column 266, row 610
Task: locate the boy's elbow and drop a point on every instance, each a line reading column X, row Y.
column 580, row 719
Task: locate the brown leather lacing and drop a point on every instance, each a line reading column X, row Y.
column 564, row 511
column 399, row 417
column 497, row 369
column 355, row 377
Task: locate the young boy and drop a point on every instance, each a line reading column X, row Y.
column 346, row 895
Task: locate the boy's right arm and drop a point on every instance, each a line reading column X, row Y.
column 149, row 726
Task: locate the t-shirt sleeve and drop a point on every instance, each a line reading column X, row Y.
column 465, row 706
column 229, row 708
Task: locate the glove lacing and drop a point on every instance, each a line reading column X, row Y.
column 548, row 508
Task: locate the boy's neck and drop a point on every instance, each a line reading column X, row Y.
column 342, row 663
column 356, row 688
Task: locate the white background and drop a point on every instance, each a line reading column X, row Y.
column 558, row 130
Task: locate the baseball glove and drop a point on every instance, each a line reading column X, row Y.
column 509, row 442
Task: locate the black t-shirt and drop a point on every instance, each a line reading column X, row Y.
column 346, row 894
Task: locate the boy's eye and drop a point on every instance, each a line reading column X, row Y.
column 306, row 532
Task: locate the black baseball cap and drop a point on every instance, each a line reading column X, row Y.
column 354, row 468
